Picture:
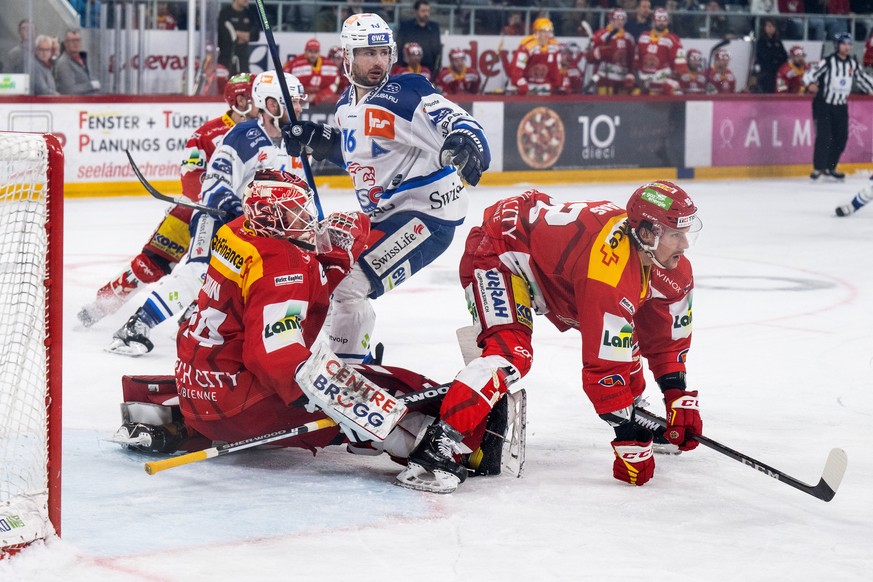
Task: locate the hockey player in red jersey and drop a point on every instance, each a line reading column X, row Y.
column 789, row 77
column 412, row 55
column 319, row 76
column 536, row 66
column 612, row 52
column 458, row 78
column 693, row 81
column 660, row 58
column 335, row 55
column 721, row 78
column 264, row 301
column 619, row 277
column 170, row 240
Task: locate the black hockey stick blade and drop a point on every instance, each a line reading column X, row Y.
column 179, row 200
column 832, row 475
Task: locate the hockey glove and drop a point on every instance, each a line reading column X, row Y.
column 683, row 413
column 229, row 203
column 320, row 140
column 341, row 238
column 465, row 150
column 634, row 462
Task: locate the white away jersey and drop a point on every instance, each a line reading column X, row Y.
column 391, row 142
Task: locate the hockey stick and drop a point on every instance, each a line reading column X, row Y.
column 180, row 200
column 426, row 396
column 832, row 475
column 277, row 65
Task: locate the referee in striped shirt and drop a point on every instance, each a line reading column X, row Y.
column 831, row 81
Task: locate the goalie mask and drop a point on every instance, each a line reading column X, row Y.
column 365, row 31
column 267, row 85
column 277, row 204
column 239, row 85
column 666, row 210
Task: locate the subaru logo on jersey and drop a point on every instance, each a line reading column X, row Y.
column 616, row 339
column 392, row 88
column 222, row 165
column 612, row 380
column 396, row 246
column 379, row 123
column 378, row 38
column 282, row 324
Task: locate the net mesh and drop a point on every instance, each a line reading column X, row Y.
column 23, row 356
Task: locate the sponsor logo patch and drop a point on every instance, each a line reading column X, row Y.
column 612, row 380
column 379, row 123
column 283, row 324
column 288, row 279
column 616, row 339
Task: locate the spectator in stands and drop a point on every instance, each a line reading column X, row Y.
column 237, row 27
column 458, row 78
column 72, row 76
column 721, row 79
column 687, row 25
column 789, row 78
column 793, row 26
column 719, row 24
column 836, row 21
column 42, row 80
column 412, row 55
column 535, row 68
column 514, row 25
column 423, row 31
column 319, row 76
column 165, row 19
column 770, row 55
column 19, row 57
column 641, row 21
column 816, row 26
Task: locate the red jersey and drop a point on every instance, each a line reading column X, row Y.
column 658, row 51
column 868, row 52
column 723, row 81
column 536, row 67
column 692, row 83
column 320, row 80
column 399, row 69
column 199, row 149
column 612, row 53
column 261, row 307
column 584, row 273
column 789, row 78
column 451, row 83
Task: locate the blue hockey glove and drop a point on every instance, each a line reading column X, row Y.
column 465, row 150
column 229, row 203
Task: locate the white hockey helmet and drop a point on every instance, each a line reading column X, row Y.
column 365, row 30
column 266, row 84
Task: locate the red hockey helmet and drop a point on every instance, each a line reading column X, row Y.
column 457, row 53
column 723, row 55
column 413, row 48
column 618, row 14
column 661, row 17
column 312, row 45
column 663, row 204
column 277, row 204
column 335, row 53
column 797, row 51
column 695, row 59
column 239, row 85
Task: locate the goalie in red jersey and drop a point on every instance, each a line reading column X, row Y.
column 619, row 277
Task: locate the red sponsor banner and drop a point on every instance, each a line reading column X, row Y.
column 766, row 133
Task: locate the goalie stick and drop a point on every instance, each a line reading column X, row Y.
column 180, row 200
column 277, row 65
column 832, row 475
column 426, row 396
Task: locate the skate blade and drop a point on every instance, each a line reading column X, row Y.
column 418, row 478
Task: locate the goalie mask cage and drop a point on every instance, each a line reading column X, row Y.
column 31, row 272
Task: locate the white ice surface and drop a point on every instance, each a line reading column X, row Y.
column 782, row 356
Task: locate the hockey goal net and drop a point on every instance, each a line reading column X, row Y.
column 31, row 236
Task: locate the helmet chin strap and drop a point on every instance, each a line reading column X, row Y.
column 242, row 113
column 648, row 249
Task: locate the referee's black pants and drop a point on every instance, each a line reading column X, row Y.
column 831, row 134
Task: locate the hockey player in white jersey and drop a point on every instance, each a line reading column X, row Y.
column 403, row 145
column 248, row 147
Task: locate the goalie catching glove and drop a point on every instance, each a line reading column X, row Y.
column 466, row 151
column 683, row 411
column 341, row 238
column 363, row 410
column 321, row 140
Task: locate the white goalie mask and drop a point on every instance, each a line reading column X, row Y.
column 363, row 31
column 266, row 85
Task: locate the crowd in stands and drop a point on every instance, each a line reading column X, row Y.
column 633, row 46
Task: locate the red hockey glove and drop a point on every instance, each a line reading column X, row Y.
column 634, row 462
column 342, row 238
column 683, row 418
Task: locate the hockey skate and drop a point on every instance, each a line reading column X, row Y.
column 149, row 438
column 486, row 460
column 432, row 466
column 844, row 210
column 133, row 338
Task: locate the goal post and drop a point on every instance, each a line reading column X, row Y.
column 31, row 302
